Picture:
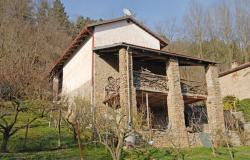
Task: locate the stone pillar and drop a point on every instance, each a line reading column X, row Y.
column 214, row 102
column 55, row 87
column 126, row 79
column 176, row 104
column 132, row 87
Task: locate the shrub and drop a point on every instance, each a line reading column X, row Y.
column 244, row 106
column 229, row 102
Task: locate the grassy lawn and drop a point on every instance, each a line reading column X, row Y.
column 42, row 145
column 99, row 153
column 241, row 153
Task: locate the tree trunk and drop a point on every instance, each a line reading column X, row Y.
column 5, row 142
column 79, row 139
column 59, row 129
column 26, row 135
column 74, row 133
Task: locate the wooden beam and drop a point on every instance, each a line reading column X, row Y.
column 148, row 114
column 190, row 63
column 138, row 55
column 153, row 58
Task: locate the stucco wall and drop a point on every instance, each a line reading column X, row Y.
column 236, row 83
column 123, row 31
column 77, row 72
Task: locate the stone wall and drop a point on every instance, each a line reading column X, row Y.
column 165, row 138
column 105, row 66
column 236, row 84
column 176, row 104
column 126, row 80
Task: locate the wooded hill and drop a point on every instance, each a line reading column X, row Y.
column 220, row 32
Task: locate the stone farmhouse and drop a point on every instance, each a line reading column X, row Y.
column 120, row 63
column 235, row 81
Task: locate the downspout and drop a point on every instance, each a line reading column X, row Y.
column 128, row 84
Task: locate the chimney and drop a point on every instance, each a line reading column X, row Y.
column 234, row 64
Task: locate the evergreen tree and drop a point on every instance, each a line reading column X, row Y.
column 82, row 22
column 59, row 14
column 43, row 10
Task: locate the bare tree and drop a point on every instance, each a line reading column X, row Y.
column 111, row 127
column 194, row 24
column 243, row 26
column 79, row 117
column 11, row 108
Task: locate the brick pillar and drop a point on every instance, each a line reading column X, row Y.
column 214, row 102
column 55, row 87
column 126, row 100
column 176, row 104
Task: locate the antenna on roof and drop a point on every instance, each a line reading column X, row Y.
column 127, row 12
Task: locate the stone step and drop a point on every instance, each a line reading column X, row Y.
column 247, row 127
column 235, row 138
column 239, row 115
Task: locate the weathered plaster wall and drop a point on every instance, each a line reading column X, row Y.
column 236, row 83
column 77, row 72
column 123, row 31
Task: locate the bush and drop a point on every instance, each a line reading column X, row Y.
column 229, row 102
column 149, row 153
column 244, row 106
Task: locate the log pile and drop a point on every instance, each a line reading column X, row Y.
column 193, row 87
column 145, row 80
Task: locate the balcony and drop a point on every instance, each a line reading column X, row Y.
column 145, row 80
column 197, row 88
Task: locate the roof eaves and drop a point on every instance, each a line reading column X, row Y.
column 70, row 49
column 123, row 44
column 243, row 66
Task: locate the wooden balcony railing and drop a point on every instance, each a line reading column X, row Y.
column 193, row 87
column 144, row 80
column 147, row 81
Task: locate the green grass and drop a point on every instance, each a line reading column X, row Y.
column 244, row 106
column 97, row 153
column 40, row 137
column 42, row 145
column 241, row 153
